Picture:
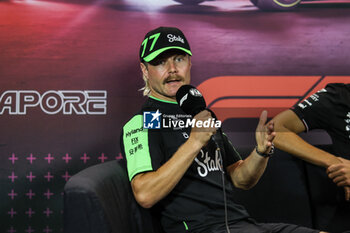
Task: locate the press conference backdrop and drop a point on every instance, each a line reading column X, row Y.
column 70, row 79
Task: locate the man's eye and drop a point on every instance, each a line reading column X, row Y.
column 158, row 62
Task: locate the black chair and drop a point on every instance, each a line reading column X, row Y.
column 99, row 199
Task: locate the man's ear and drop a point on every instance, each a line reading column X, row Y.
column 144, row 70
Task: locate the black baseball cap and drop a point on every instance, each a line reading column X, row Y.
column 162, row 39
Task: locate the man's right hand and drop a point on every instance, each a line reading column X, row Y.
column 202, row 135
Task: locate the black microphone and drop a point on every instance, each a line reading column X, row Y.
column 190, row 100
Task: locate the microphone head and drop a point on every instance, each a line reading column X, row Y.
column 190, row 100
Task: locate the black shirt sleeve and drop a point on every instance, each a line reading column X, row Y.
column 231, row 154
column 317, row 111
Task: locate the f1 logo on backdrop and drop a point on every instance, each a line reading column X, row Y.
column 151, row 120
column 247, row 96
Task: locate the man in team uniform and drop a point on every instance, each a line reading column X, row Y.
column 180, row 170
column 328, row 109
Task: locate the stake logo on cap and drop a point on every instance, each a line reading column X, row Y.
column 161, row 39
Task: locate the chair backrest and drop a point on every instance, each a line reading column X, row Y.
column 99, row 199
column 282, row 193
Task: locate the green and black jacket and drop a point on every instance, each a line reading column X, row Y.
column 196, row 203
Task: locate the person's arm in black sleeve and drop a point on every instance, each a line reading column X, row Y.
column 315, row 112
column 288, row 125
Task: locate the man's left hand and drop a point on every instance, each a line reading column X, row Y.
column 264, row 134
column 340, row 174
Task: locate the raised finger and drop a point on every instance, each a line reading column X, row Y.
column 263, row 118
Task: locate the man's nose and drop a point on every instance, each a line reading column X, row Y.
column 172, row 67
